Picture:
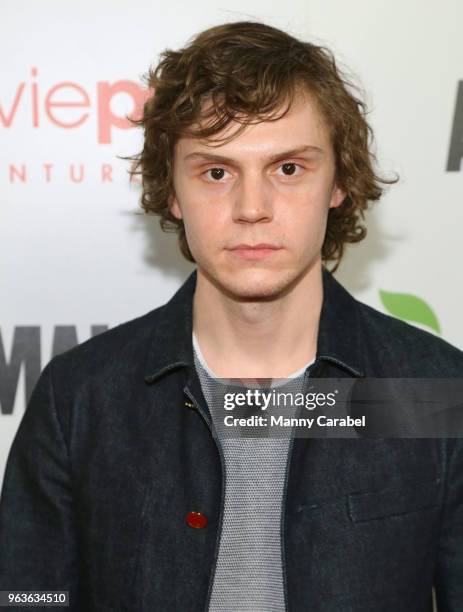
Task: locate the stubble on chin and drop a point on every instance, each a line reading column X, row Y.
column 244, row 287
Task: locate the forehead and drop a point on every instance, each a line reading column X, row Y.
column 302, row 124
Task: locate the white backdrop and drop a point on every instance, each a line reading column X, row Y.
column 76, row 253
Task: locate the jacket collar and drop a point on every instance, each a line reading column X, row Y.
column 171, row 343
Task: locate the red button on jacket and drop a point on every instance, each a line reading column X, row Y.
column 197, row 520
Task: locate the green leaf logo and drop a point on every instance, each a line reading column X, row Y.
column 409, row 308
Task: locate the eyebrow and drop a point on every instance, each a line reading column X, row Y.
column 202, row 155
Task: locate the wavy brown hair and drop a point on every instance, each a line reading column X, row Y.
column 250, row 70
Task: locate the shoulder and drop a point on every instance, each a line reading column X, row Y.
column 405, row 349
column 117, row 351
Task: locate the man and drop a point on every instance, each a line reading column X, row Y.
column 119, row 486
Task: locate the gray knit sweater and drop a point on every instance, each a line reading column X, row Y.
column 248, row 574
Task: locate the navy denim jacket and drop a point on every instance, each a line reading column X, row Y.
column 115, row 449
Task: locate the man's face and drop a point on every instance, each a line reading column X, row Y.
column 273, row 184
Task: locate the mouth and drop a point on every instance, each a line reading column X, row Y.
column 256, row 251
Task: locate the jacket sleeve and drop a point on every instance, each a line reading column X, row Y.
column 37, row 523
column 449, row 570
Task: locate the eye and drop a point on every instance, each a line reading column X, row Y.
column 216, row 174
column 290, row 169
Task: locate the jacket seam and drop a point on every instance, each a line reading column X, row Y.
column 55, row 411
column 447, row 457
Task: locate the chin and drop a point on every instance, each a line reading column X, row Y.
column 257, row 284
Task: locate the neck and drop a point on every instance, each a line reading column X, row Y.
column 261, row 339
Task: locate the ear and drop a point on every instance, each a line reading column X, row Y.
column 175, row 208
column 337, row 197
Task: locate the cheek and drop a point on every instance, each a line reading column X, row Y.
column 202, row 215
column 312, row 197
column 202, row 227
column 307, row 226
column 308, row 210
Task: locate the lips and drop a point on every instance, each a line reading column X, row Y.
column 254, row 251
column 261, row 245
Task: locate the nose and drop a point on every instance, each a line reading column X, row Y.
column 253, row 200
